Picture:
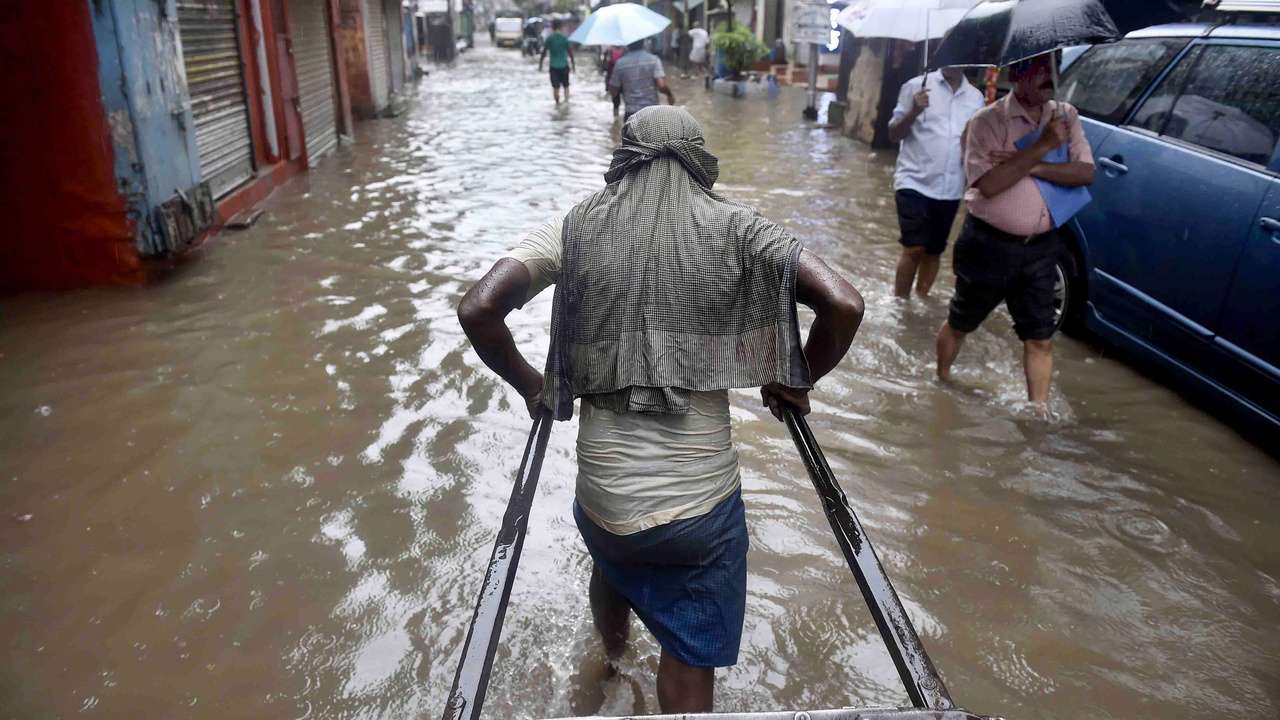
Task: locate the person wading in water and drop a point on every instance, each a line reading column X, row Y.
column 1008, row 245
column 557, row 45
column 666, row 296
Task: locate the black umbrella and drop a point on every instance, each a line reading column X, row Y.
column 1002, row 32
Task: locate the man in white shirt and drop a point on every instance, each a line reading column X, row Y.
column 698, row 41
column 928, row 182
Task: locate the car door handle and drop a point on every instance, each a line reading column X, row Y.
column 1272, row 226
column 1114, row 165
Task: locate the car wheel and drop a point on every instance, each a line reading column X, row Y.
column 1061, row 295
column 1068, row 293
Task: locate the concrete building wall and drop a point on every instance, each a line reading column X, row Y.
column 395, row 43
column 880, row 67
column 355, row 58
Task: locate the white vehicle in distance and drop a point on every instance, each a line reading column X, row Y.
column 507, row 31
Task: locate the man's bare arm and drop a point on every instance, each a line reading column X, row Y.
column 1008, row 173
column 665, row 90
column 1021, row 163
column 1067, row 174
column 899, row 129
column 483, row 313
column 839, row 309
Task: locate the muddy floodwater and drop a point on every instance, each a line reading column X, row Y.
column 267, row 486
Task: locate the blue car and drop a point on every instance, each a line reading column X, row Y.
column 1177, row 259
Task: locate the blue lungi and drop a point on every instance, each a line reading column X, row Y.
column 686, row 580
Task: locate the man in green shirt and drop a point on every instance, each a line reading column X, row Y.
column 557, row 45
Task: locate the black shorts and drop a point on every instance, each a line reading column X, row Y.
column 559, row 77
column 925, row 222
column 991, row 267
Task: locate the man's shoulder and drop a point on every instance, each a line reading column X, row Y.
column 638, row 58
column 1073, row 113
column 992, row 114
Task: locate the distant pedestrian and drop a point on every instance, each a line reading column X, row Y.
column 928, row 182
column 612, row 56
column 698, row 41
column 637, row 78
column 557, row 46
column 1009, row 245
column 531, row 42
column 666, row 296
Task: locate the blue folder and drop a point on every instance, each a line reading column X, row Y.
column 1063, row 202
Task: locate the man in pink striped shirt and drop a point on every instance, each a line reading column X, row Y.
column 1009, row 245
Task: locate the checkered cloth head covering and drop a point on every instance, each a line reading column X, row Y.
column 665, row 286
column 657, row 132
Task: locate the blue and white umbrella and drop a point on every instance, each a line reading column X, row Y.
column 620, row 24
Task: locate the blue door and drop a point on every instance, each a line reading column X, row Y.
column 1176, row 195
column 1250, row 329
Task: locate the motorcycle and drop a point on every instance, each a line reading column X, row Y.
column 531, row 44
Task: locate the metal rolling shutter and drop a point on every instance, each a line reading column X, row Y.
column 215, row 81
column 375, row 34
column 313, row 60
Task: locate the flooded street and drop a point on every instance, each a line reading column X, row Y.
column 268, row 486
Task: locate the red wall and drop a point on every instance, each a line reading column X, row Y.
column 66, row 224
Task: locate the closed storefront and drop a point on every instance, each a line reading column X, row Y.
column 313, row 60
column 376, row 37
column 215, row 83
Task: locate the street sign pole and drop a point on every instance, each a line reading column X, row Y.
column 811, row 112
column 812, row 25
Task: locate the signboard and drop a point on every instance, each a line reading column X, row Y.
column 811, row 23
column 433, row 6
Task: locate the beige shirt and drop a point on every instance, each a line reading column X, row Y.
column 640, row 470
column 1020, row 210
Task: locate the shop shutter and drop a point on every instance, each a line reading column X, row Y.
column 313, row 60
column 375, row 34
column 215, row 82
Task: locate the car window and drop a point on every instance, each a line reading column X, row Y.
column 1105, row 82
column 1221, row 97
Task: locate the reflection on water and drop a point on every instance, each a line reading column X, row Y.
column 268, row 486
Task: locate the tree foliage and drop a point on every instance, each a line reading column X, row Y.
column 739, row 47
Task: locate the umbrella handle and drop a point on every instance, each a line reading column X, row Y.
column 924, row 60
